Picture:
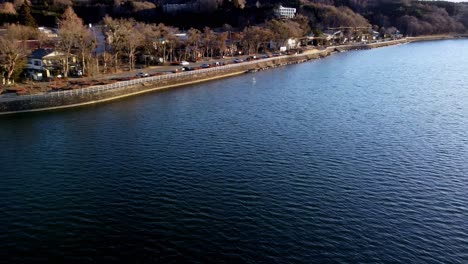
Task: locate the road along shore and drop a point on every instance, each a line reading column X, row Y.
column 104, row 93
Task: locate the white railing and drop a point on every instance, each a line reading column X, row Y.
column 123, row 84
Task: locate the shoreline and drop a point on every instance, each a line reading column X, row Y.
column 98, row 94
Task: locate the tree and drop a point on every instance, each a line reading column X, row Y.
column 18, row 3
column 86, row 44
column 151, row 40
column 7, row 8
column 194, row 38
column 256, row 37
column 170, row 40
column 133, row 40
column 70, row 30
column 25, row 17
column 13, row 49
column 239, row 3
column 115, row 42
column 62, row 3
column 209, row 40
column 124, row 36
column 283, row 30
column 221, row 43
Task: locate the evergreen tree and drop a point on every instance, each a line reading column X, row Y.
column 25, row 17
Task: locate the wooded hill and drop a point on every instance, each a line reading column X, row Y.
column 410, row 17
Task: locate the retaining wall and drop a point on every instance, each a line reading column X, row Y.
column 95, row 94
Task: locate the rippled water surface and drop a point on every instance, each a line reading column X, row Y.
column 359, row 157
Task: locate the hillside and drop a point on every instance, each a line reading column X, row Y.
column 410, row 17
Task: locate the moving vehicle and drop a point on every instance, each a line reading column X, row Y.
column 238, row 60
column 184, row 63
column 142, row 74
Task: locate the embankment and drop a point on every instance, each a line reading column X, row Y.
column 92, row 95
column 79, row 97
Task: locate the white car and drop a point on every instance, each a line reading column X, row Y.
column 184, row 63
column 142, row 74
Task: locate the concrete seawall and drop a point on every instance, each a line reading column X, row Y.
column 79, row 97
column 56, row 100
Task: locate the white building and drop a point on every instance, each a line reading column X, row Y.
column 285, row 12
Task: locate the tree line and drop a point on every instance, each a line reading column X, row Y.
column 128, row 41
column 411, row 17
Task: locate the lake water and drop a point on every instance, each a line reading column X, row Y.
column 359, row 157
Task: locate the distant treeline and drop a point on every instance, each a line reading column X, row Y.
column 411, row 17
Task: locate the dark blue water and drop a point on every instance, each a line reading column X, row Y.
column 361, row 157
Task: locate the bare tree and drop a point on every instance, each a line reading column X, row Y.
column 70, row 30
column 151, row 40
column 209, row 41
column 239, row 3
column 18, row 3
column 170, row 40
column 115, row 38
column 133, row 41
column 86, row 45
column 194, row 38
column 221, row 43
column 63, row 3
column 7, row 8
column 125, row 36
column 13, row 49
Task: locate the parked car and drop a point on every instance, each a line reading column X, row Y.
column 184, row 63
column 142, row 74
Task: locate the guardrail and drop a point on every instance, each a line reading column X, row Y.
column 123, row 84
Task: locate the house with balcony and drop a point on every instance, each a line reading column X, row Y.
column 49, row 62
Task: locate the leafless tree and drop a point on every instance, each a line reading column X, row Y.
column 70, row 30
column 133, row 41
column 86, row 45
column 115, row 38
column 7, row 8
column 194, row 38
column 13, row 48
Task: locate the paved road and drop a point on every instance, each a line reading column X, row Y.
column 171, row 68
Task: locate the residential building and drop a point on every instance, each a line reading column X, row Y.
column 285, row 12
column 48, row 61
